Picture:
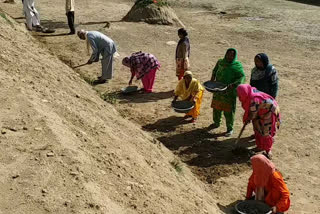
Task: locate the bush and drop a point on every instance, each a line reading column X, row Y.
column 145, row 3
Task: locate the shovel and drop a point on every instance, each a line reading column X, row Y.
column 80, row 65
column 243, row 128
column 238, row 149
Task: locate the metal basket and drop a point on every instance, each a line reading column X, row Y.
column 212, row 86
column 252, row 207
column 182, row 106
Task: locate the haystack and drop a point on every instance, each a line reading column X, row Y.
column 152, row 14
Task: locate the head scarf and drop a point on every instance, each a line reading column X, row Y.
column 229, row 72
column 264, row 58
column 235, row 66
column 258, row 74
column 235, row 59
column 262, row 169
column 246, row 94
column 188, row 73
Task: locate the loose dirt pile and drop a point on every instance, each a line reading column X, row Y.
column 65, row 150
column 152, row 14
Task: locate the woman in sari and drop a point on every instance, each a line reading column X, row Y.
column 267, row 184
column 144, row 66
column 264, row 112
column 182, row 53
column 190, row 89
column 264, row 76
column 228, row 71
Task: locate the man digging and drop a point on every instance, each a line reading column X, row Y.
column 100, row 44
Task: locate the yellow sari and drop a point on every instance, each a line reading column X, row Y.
column 195, row 90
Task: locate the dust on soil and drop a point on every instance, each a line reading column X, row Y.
column 287, row 31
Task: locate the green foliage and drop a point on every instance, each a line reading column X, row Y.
column 176, row 165
column 145, row 3
column 4, row 16
column 110, row 97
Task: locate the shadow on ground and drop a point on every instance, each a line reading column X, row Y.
column 17, row 18
column 208, row 156
column 169, row 124
column 310, row 2
column 144, row 97
column 54, row 24
column 54, row 35
column 107, row 23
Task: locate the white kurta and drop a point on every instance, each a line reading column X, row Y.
column 32, row 15
column 69, row 5
column 101, row 44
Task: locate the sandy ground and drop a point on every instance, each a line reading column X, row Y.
column 286, row 30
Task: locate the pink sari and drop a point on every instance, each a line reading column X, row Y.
column 264, row 112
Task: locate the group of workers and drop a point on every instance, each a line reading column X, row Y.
column 258, row 99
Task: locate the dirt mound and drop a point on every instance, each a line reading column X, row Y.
column 64, row 150
column 153, row 14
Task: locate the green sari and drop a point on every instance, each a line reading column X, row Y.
column 231, row 74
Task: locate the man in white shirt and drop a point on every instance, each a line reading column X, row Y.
column 32, row 15
column 70, row 15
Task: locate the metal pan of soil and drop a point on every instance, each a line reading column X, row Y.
column 182, row 106
column 213, row 86
column 252, row 207
column 129, row 89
